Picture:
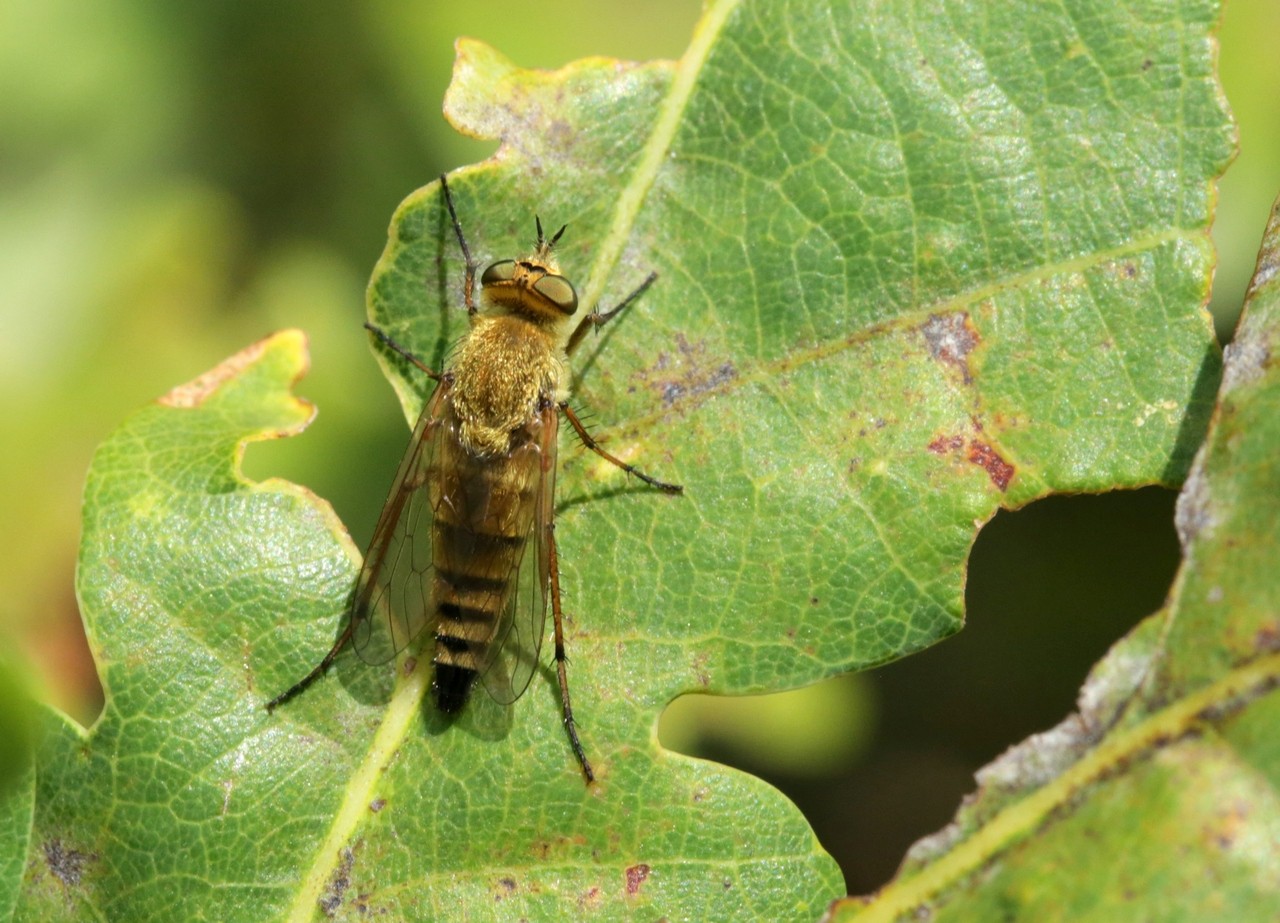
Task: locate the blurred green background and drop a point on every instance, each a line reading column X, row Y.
column 177, row 181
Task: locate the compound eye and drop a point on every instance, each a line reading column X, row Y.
column 558, row 291
column 499, row 272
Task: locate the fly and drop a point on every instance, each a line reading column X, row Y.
column 466, row 543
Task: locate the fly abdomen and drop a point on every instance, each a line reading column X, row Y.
column 452, row 683
column 452, row 686
column 477, row 551
column 483, row 517
column 468, row 607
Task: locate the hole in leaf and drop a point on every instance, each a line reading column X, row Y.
column 1051, row 588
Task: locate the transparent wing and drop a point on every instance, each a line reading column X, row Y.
column 514, row 652
column 391, row 602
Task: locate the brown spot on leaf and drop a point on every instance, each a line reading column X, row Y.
column 689, row 372
column 331, row 900
column 591, row 899
column 1267, row 638
column 560, row 846
column 941, row 445
column 978, row 453
column 67, row 864
column 1231, row 824
column 987, row 458
column 377, row 805
column 636, row 875
column 951, row 338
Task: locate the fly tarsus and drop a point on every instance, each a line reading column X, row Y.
column 569, row 725
column 299, row 687
column 557, row 621
column 316, row 672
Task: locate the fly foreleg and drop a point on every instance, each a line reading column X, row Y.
column 469, row 282
column 393, row 345
column 599, row 319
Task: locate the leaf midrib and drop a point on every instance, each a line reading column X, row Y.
column 656, row 147
column 358, row 793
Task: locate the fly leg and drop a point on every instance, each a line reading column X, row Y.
column 393, row 345
column 598, row 319
column 345, row 638
column 557, row 619
column 469, row 285
column 316, row 671
column 594, row 446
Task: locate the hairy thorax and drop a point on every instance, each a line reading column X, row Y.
column 505, row 368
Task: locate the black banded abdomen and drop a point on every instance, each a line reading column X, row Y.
column 483, row 516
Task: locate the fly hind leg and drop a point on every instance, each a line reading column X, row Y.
column 557, row 618
column 589, row 441
column 317, row 671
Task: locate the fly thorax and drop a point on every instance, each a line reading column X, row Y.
column 505, row 368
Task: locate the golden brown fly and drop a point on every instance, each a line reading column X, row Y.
column 465, row 546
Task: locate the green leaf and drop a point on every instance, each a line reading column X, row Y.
column 17, row 791
column 915, row 264
column 1160, row 798
column 186, row 572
